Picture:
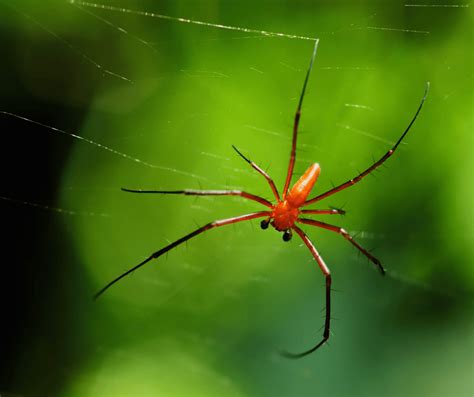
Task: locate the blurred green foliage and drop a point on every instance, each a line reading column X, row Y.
column 208, row 319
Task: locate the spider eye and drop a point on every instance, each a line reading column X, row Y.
column 287, row 235
column 264, row 224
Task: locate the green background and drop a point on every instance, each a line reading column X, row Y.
column 208, row 319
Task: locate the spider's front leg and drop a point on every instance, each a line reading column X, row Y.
column 296, row 122
column 261, row 172
column 327, row 274
column 377, row 164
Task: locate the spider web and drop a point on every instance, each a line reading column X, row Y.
column 153, row 97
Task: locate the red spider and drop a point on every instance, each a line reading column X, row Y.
column 287, row 211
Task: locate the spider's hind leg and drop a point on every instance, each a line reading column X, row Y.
column 327, row 275
column 347, row 236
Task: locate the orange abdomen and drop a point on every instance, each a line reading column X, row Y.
column 300, row 191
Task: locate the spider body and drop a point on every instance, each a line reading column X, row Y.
column 286, row 212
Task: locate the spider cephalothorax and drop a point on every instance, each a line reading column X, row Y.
column 287, row 211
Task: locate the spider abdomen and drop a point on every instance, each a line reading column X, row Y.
column 301, row 189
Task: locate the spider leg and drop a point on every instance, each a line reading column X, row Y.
column 174, row 244
column 331, row 211
column 347, row 236
column 327, row 274
column 291, row 164
column 262, row 172
column 192, row 192
column 377, row 164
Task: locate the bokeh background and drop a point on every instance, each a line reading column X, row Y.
column 208, row 319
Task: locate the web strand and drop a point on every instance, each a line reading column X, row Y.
column 104, row 147
column 398, row 30
column 116, row 27
column 53, row 209
column 190, row 21
column 81, row 54
column 438, row 5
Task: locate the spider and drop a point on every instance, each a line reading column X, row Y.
column 287, row 211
